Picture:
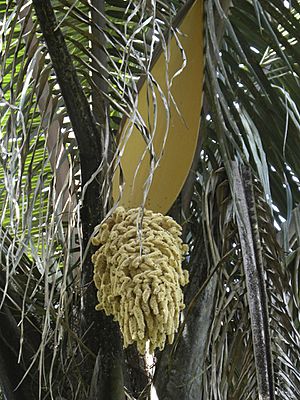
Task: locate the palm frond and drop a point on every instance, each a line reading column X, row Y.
column 251, row 115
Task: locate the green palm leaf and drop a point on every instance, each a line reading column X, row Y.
column 250, row 121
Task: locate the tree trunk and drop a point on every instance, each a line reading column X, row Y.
column 100, row 334
column 179, row 368
column 12, row 370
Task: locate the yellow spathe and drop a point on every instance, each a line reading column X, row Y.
column 178, row 129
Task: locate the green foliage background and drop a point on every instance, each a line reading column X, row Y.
column 250, row 118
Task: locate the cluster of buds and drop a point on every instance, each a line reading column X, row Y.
column 138, row 274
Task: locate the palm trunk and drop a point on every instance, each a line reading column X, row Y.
column 101, row 335
column 14, row 383
column 179, row 369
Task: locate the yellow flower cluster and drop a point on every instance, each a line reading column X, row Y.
column 138, row 275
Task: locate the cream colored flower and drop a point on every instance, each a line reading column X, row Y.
column 138, row 274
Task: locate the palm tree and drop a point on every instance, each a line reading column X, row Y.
column 69, row 72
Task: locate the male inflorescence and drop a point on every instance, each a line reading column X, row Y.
column 138, row 274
